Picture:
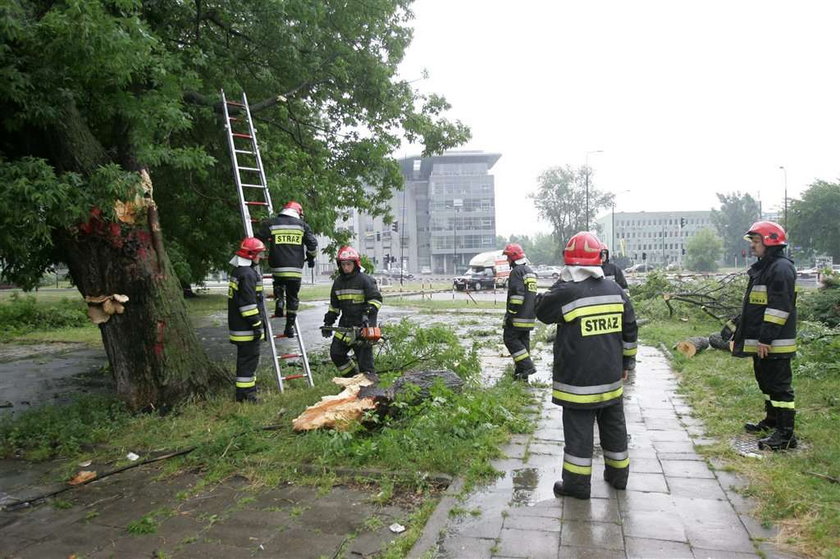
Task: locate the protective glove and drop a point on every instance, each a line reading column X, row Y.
column 365, row 321
column 310, row 263
column 324, row 332
column 260, row 333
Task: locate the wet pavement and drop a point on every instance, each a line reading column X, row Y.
column 676, row 505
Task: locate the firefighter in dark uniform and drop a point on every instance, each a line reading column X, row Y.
column 594, row 349
column 290, row 241
column 611, row 271
column 245, row 316
column 356, row 298
column 766, row 331
column 519, row 316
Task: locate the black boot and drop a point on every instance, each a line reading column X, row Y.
column 617, row 479
column 766, row 424
column 561, row 490
column 247, row 395
column 783, row 437
column 278, row 309
column 289, row 331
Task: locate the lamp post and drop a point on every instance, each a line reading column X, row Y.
column 456, row 203
column 782, row 167
column 586, row 180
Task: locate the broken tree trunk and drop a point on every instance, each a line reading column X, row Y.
column 717, row 341
column 690, row 346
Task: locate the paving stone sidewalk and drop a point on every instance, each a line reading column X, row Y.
column 675, row 505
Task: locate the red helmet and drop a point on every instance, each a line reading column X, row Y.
column 348, row 253
column 292, row 205
column 771, row 233
column 583, row 249
column 514, row 252
column 250, row 248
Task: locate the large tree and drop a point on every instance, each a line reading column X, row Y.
column 702, row 251
column 103, row 99
column 737, row 212
column 561, row 200
column 815, row 221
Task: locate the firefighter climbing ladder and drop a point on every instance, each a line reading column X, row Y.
column 249, row 175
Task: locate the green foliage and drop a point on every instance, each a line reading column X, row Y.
column 432, row 347
column 542, row 249
column 20, row 315
column 95, row 85
column 737, row 212
column 702, row 251
column 814, row 226
column 561, row 200
column 820, row 305
column 655, row 285
column 61, row 430
column 817, row 350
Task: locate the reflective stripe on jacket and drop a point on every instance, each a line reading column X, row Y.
column 290, row 242
column 352, row 296
column 245, row 302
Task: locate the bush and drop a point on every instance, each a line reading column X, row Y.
column 21, row 315
column 821, row 305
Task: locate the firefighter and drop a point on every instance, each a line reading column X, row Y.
column 519, row 316
column 594, row 350
column 246, row 321
column 611, row 271
column 356, row 298
column 290, row 241
column 766, row 331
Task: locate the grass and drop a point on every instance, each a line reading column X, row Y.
column 793, row 489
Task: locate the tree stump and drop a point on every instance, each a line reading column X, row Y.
column 690, row 346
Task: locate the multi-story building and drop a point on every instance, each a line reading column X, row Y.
column 655, row 237
column 445, row 215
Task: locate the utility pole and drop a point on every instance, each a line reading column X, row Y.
column 586, row 171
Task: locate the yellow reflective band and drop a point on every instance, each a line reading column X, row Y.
column 252, row 312
column 629, row 352
column 242, row 338
column 773, row 348
column 233, row 285
column 593, row 309
column 332, row 309
column 774, row 319
column 282, row 275
column 376, row 303
column 588, row 398
column 597, row 325
column 617, row 463
column 518, row 358
column 786, row 405
column 575, row 469
column 360, row 298
column 524, row 323
column 246, row 384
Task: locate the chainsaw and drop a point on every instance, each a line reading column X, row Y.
column 371, row 334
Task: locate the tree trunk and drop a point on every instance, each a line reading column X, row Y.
column 155, row 355
column 691, row 346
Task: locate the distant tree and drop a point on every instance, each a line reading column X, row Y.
column 703, row 250
column 737, row 212
column 815, row 220
column 561, row 200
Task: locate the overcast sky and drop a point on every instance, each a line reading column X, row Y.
column 685, row 98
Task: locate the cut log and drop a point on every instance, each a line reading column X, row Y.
column 690, row 346
column 717, row 342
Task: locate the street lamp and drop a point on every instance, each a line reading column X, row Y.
column 782, row 167
column 456, row 203
column 586, row 178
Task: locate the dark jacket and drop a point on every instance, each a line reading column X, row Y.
column 613, row 272
column 768, row 314
column 245, row 304
column 522, row 290
column 286, row 236
column 353, row 296
column 595, row 343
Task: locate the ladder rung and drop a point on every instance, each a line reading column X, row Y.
column 293, row 377
column 256, row 203
column 289, row 356
column 280, row 336
column 233, row 119
column 252, row 185
column 254, row 220
column 254, row 169
column 240, row 135
column 236, row 103
column 247, row 151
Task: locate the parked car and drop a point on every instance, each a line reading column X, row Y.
column 548, row 271
column 397, row 273
column 643, row 267
column 475, row 280
column 425, row 270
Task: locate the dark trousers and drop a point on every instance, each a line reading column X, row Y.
column 286, row 292
column 774, row 379
column 518, row 343
column 340, row 355
column 579, row 439
column 247, row 360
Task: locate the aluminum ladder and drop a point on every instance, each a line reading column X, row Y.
column 249, row 176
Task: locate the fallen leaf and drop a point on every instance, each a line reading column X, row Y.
column 82, row 477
